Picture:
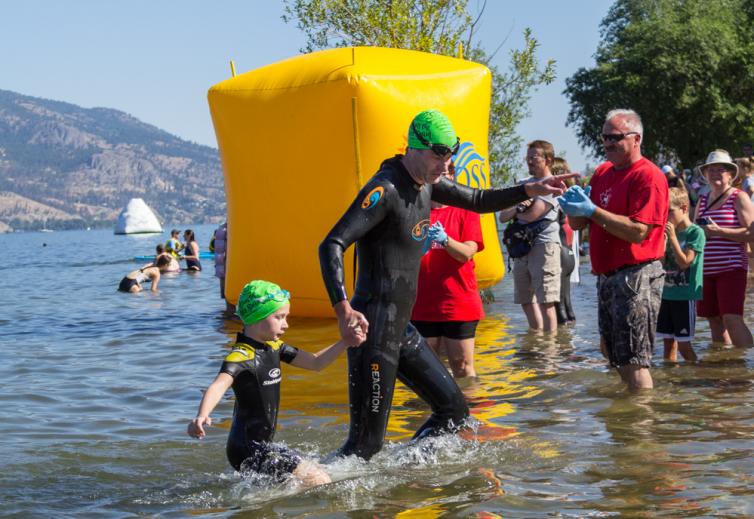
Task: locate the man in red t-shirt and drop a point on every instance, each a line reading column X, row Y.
column 626, row 207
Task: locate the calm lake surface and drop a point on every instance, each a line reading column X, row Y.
column 98, row 387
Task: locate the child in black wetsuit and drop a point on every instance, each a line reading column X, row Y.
column 253, row 370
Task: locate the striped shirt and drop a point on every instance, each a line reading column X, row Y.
column 721, row 255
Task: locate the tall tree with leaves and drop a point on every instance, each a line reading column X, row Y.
column 684, row 65
column 436, row 26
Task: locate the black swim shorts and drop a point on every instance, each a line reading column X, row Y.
column 126, row 283
column 451, row 329
column 273, row 459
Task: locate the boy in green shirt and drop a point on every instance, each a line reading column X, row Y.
column 683, row 265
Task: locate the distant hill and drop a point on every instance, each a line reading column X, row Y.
column 67, row 167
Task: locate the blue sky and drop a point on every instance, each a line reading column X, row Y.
column 157, row 59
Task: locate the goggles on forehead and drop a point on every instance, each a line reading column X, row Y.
column 441, row 150
column 279, row 296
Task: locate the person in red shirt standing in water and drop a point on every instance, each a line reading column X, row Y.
column 626, row 207
column 448, row 306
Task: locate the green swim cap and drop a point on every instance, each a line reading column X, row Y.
column 259, row 299
column 434, row 127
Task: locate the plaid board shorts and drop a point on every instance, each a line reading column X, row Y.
column 629, row 303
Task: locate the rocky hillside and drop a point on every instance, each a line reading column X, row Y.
column 67, row 167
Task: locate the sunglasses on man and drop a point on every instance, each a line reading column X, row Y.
column 616, row 137
column 441, row 150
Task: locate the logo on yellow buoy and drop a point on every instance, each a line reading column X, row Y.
column 470, row 166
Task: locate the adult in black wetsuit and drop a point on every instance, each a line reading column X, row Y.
column 389, row 222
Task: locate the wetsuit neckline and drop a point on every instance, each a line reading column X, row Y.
column 397, row 162
column 245, row 339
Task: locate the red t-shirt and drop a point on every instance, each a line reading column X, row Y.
column 639, row 192
column 447, row 288
column 568, row 231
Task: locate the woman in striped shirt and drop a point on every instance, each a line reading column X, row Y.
column 726, row 214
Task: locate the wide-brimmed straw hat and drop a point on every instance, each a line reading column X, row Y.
column 720, row 157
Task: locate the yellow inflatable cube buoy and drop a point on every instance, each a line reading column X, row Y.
column 300, row 137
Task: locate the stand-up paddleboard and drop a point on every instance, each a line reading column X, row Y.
column 202, row 255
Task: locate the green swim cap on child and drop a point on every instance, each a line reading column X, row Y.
column 259, row 299
column 434, row 127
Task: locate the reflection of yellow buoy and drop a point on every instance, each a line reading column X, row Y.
column 488, row 432
column 299, row 138
column 423, row 512
column 487, row 515
column 490, row 475
column 487, row 398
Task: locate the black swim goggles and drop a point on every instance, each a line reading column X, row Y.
column 279, row 296
column 441, row 150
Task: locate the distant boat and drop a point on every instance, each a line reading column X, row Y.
column 137, row 218
column 44, row 227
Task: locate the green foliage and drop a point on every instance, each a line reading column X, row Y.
column 436, row 26
column 684, row 65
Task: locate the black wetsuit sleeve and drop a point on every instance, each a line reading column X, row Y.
column 368, row 209
column 231, row 368
column 477, row 200
column 288, row 353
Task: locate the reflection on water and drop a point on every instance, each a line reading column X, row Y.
column 98, row 388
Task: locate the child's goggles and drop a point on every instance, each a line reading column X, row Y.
column 279, row 296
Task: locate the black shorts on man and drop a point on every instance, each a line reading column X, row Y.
column 457, row 330
column 677, row 320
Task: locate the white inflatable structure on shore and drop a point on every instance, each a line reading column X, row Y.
column 136, row 218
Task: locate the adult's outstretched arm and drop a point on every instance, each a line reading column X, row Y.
column 495, row 199
column 477, row 200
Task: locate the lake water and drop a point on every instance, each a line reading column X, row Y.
column 98, row 387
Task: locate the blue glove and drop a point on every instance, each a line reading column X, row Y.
column 575, row 202
column 437, row 233
column 426, row 245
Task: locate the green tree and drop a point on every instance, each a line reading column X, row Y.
column 436, row 26
column 684, row 65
